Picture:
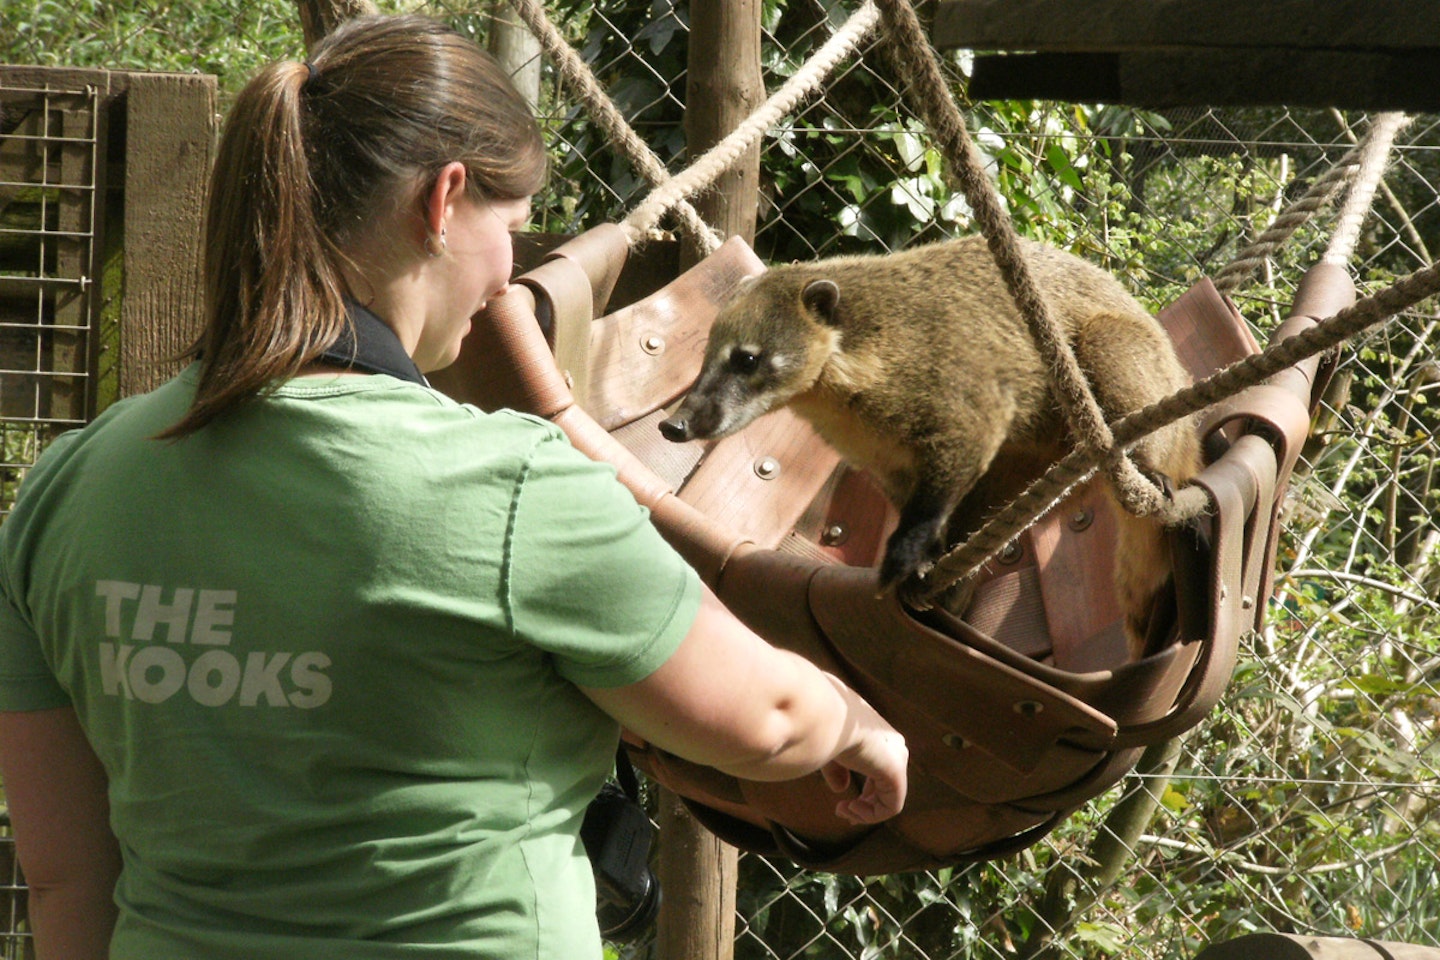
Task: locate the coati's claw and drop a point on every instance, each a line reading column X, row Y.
column 909, row 557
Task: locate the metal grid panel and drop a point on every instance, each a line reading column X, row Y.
column 51, row 144
column 16, row 942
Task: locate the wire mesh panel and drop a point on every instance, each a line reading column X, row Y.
column 51, row 145
column 1306, row 803
column 15, row 937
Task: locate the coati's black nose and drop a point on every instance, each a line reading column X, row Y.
column 675, row 429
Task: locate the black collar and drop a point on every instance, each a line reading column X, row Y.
column 367, row 343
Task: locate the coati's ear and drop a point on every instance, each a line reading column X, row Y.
column 822, row 297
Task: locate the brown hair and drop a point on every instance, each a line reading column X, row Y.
column 309, row 152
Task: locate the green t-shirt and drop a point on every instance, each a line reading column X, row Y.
column 326, row 649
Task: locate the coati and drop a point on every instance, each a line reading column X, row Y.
column 917, row 367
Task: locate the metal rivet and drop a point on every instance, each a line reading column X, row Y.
column 954, row 741
column 767, row 468
column 653, row 344
column 1081, row 519
column 1246, row 603
column 1028, row 708
column 834, row 534
column 1010, row 553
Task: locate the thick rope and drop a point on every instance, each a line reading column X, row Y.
column 1290, row 219
column 724, row 154
column 1034, row 502
column 1374, row 158
column 575, row 72
column 1382, row 131
column 910, row 51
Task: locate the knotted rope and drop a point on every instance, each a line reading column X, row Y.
column 672, row 192
column 1289, row 220
column 1328, row 334
column 602, row 110
column 1374, row 158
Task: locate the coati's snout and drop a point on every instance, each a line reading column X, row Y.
column 722, row 400
column 676, row 429
column 765, row 347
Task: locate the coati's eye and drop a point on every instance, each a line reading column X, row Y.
column 744, row 361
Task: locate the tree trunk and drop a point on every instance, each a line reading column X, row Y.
column 319, row 17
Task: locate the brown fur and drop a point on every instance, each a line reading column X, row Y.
column 917, row 367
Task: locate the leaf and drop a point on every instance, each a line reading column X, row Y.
column 1107, row 937
column 1059, row 162
column 1378, row 685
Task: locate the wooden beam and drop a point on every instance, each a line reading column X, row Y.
column 1216, row 77
column 1121, row 25
column 1284, row 946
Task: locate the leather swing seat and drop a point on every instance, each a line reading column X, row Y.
column 1015, row 715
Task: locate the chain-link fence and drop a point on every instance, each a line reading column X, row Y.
column 1305, row 804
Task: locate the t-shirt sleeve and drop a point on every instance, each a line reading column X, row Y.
column 589, row 579
column 26, row 682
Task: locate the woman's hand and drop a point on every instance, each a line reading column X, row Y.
column 879, row 757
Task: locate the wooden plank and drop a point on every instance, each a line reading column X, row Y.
column 70, row 79
column 1118, row 25
column 1285, row 946
column 170, row 142
column 1216, row 77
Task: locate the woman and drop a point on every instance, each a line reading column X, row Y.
column 299, row 658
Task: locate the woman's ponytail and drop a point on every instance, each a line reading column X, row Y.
column 274, row 297
column 310, row 153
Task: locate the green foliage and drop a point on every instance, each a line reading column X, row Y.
column 227, row 38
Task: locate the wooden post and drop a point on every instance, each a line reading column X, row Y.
column 723, row 87
column 517, row 50
column 170, row 143
column 698, row 871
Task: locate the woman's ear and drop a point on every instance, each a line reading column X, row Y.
column 440, row 199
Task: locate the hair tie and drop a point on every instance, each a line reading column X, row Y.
column 311, row 72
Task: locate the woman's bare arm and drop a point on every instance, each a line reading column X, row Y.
column 729, row 700
column 55, row 787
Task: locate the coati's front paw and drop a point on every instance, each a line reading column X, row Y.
column 909, row 554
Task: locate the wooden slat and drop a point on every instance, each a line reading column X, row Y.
column 62, row 79
column 1217, row 77
column 1284, row 946
column 1119, row 25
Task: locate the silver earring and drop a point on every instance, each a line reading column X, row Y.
column 435, row 245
